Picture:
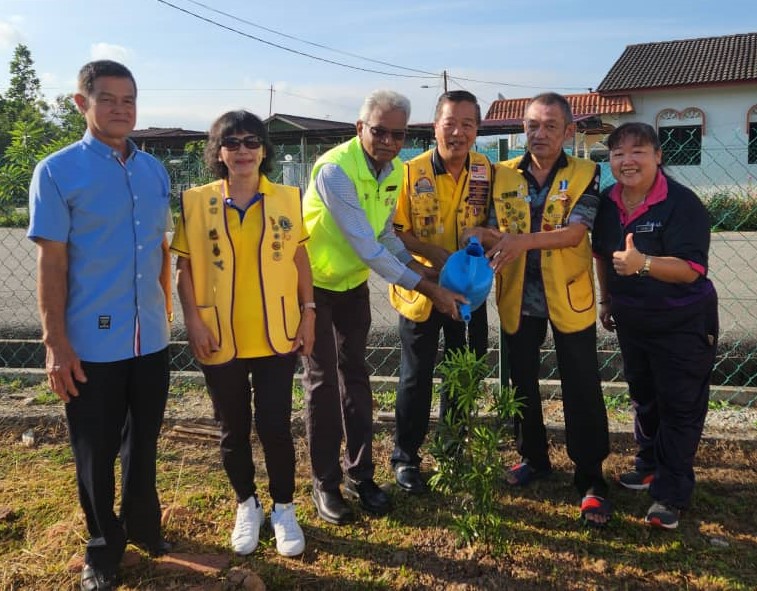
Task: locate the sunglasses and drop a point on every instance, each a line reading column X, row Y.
column 381, row 133
column 232, row 143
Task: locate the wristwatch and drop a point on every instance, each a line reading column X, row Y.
column 645, row 267
column 306, row 306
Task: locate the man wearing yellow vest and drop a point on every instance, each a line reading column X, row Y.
column 348, row 211
column 543, row 205
column 445, row 191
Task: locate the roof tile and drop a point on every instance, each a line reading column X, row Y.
column 687, row 62
column 591, row 103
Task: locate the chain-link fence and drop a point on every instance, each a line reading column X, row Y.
column 724, row 179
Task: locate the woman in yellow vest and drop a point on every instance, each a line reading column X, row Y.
column 246, row 290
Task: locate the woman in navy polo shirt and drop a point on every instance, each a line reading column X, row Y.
column 651, row 239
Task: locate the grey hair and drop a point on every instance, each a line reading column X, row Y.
column 386, row 100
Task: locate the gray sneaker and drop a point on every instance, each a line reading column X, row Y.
column 636, row 480
column 663, row 516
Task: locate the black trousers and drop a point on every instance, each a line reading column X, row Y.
column 229, row 389
column 586, row 430
column 119, row 409
column 337, row 388
column 668, row 357
column 420, row 343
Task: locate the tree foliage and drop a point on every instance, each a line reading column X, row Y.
column 30, row 128
column 24, row 88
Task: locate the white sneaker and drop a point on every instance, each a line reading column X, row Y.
column 290, row 541
column 244, row 538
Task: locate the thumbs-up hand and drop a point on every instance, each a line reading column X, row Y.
column 628, row 261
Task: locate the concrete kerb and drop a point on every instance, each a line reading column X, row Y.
column 550, row 389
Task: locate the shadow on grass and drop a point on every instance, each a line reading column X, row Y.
column 545, row 545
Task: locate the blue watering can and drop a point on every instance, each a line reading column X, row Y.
column 467, row 272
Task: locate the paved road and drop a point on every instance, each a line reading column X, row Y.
column 733, row 263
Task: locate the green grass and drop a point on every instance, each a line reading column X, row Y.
column 181, row 387
column 719, row 404
column 385, row 400
column 617, row 402
column 298, row 398
column 545, row 547
column 11, row 384
column 46, row 397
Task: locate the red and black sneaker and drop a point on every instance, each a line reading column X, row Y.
column 636, row 480
column 663, row 516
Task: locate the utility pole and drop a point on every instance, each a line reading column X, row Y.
column 444, row 75
column 270, row 101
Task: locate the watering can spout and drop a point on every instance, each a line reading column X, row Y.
column 467, row 272
column 474, row 247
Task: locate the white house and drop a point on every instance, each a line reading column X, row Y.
column 699, row 94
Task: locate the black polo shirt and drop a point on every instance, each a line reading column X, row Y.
column 676, row 226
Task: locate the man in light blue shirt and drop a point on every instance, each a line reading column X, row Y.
column 348, row 211
column 98, row 213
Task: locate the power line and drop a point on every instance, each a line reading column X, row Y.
column 146, row 89
column 289, row 49
column 521, row 85
column 312, row 43
column 214, row 89
column 326, row 47
column 317, row 100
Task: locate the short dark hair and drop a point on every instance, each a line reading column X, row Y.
column 99, row 69
column 642, row 133
column 457, row 96
column 228, row 124
column 553, row 98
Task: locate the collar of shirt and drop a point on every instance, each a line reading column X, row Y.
column 525, row 162
column 378, row 174
column 437, row 163
column 264, row 187
column 657, row 194
column 104, row 150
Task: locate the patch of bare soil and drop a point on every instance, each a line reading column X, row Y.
column 415, row 547
column 18, row 406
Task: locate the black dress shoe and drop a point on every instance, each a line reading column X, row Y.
column 372, row 498
column 409, row 479
column 154, row 549
column 95, row 579
column 332, row 507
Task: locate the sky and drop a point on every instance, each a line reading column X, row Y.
column 192, row 68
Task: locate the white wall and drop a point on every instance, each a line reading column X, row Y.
column 724, row 144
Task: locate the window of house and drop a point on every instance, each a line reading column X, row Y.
column 681, row 145
column 680, row 134
column 752, row 149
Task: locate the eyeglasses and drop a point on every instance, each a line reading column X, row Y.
column 233, row 143
column 381, row 133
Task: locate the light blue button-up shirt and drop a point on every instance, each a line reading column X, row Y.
column 113, row 216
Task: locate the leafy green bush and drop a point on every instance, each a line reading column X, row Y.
column 14, row 218
column 733, row 211
column 30, row 143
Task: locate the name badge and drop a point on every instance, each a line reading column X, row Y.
column 645, row 228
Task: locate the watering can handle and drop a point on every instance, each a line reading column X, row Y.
column 471, row 272
column 464, row 309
